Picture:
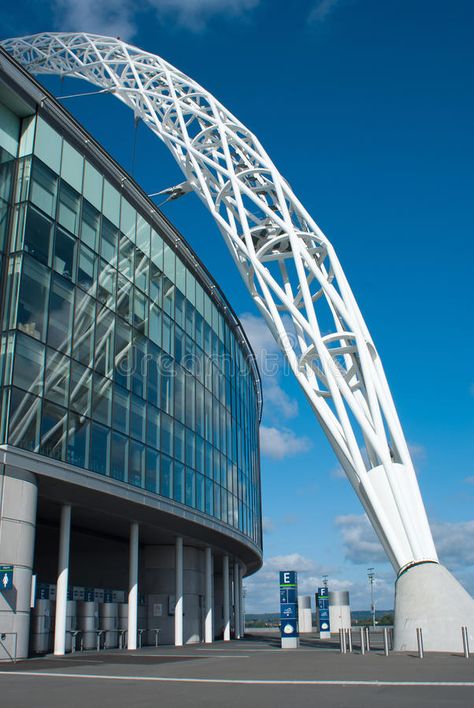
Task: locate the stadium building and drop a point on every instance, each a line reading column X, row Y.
column 130, row 405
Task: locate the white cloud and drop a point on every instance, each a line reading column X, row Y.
column 267, row 525
column 272, row 366
column 193, row 14
column 454, row 542
column 337, row 473
column 114, row 18
column 321, row 10
column 361, row 543
column 469, row 480
column 281, row 442
column 118, row 17
column 417, row 451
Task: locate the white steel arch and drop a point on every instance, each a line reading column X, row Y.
column 288, row 264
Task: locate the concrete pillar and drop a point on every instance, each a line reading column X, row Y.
column 237, row 590
column 226, row 593
column 208, row 621
column 178, row 612
column 62, row 582
column 18, row 497
column 133, row 586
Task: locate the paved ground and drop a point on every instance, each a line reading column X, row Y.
column 248, row 673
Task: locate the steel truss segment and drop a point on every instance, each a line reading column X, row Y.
column 288, row 264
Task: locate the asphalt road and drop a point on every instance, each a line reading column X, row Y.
column 251, row 672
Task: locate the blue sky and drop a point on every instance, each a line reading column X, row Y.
column 366, row 107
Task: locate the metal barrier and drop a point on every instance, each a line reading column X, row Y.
column 3, row 636
column 74, row 634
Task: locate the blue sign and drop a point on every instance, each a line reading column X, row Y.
column 6, row 577
column 288, row 603
column 323, row 609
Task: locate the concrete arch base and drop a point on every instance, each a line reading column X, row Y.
column 428, row 596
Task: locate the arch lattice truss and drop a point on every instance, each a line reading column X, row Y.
column 288, row 264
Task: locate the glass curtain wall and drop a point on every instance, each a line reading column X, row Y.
column 114, row 357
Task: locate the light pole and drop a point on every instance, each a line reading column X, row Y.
column 371, row 575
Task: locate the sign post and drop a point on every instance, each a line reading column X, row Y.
column 6, row 577
column 289, row 609
column 322, row 603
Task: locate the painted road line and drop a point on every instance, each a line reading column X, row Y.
column 244, row 682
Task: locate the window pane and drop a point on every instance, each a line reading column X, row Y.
column 190, row 487
column 120, row 413
column 123, row 341
column 90, row 226
column 29, row 365
column 166, row 434
column 24, row 421
column 43, row 189
column 48, row 144
column 53, row 431
column 111, row 204
column 124, row 296
column 99, row 449
column 77, row 445
column 38, row 235
column 83, row 328
column 142, row 270
column 153, row 427
column 179, row 441
column 32, row 308
column 72, row 165
column 81, row 386
column 106, row 287
column 137, row 418
column 143, row 235
column 166, row 480
column 65, row 254
column 56, row 380
column 102, row 400
column 104, row 341
column 60, row 314
column 108, row 243
column 68, row 208
column 119, row 457
column 126, row 258
column 87, row 270
column 93, row 185
column 178, row 482
column 152, row 476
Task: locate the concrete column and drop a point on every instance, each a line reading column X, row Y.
column 178, row 612
column 18, row 497
column 226, row 593
column 62, row 582
column 133, row 586
column 237, row 621
column 208, row 622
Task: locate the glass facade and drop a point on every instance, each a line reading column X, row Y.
column 114, row 356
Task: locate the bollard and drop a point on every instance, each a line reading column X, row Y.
column 391, row 638
column 367, row 638
column 362, row 641
column 419, row 639
column 465, row 641
column 385, row 641
column 349, row 640
column 342, row 641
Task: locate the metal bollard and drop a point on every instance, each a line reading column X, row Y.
column 465, row 641
column 349, row 640
column 385, row 641
column 367, row 638
column 419, row 639
column 391, row 638
column 342, row 641
column 362, row 641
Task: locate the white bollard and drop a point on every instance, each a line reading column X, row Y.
column 465, row 641
column 362, row 641
column 385, row 641
column 419, row 639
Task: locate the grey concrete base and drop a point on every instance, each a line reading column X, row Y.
column 429, row 597
column 290, row 643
